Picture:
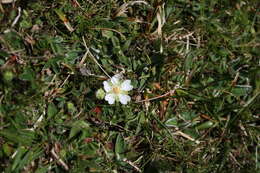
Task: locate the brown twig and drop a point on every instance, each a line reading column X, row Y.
column 132, row 164
column 187, row 136
column 171, row 92
column 93, row 58
column 60, row 161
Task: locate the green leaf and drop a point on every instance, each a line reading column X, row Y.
column 2, row 62
column 172, row 122
column 18, row 157
column 120, row 146
column 7, row 149
column 188, row 62
column 74, row 131
column 205, row 125
column 8, row 75
column 27, row 75
column 115, row 42
column 71, row 107
column 21, row 137
column 126, row 45
column 52, row 110
column 30, row 156
column 77, row 127
column 43, row 169
column 3, row 54
column 239, row 91
column 14, row 40
column 189, row 115
column 192, row 132
column 25, row 24
column 107, row 34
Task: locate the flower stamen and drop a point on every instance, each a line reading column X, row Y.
column 116, row 90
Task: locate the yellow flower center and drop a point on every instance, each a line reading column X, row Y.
column 116, row 90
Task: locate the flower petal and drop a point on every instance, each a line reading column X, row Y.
column 126, row 85
column 124, row 98
column 107, row 87
column 115, row 79
column 110, row 98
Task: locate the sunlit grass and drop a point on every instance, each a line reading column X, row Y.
column 193, row 65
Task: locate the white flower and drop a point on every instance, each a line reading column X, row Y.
column 117, row 90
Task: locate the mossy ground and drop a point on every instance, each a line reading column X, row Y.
column 194, row 65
